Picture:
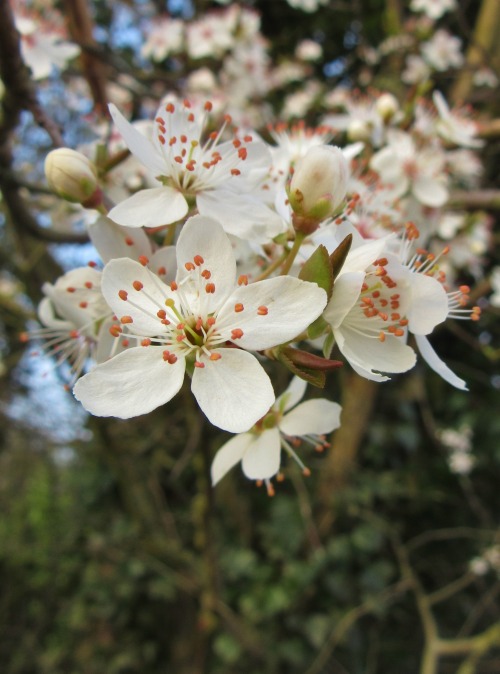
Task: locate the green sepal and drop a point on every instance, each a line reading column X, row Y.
column 328, row 345
column 338, row 257
column 317, row 328
column 318, row 270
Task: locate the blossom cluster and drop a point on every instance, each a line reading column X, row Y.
column 229, row 248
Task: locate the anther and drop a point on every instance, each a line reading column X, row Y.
column 88, row 284
column 189, row 266
column 215, row 356
column 262, row 311
column 126, row 319
column 146, row 342
column 237, row 333
column 137, row 285
column 143, row 260
column 198, row 364
column 243, row 280
column 123, row 295
column 210, row 288
column 198, row 260
column 238, row 307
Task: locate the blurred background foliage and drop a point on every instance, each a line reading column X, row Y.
column 117, row 557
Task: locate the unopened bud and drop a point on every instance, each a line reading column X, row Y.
column 319, row 184
column 72, row 176
column 387, row 106
column 359, row 130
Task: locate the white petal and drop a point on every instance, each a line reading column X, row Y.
column 436, row 364
column 313, row 416
column 292, row 395
column 262, row 458
column 346, row 291
column 141, row 305
column 132, row 383
column 292, row 305
column 234, row 392
column 153, row 207
column 229, row 455
column 138, row 144
column 205, row 237
column 164, row 263
column 112, row 240
column 242, row 215
column 429, row 304
column 392, row 355
column 430, row 191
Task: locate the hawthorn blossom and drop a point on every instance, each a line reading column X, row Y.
column 202, row 323
column 186, row 167
column 259, row 450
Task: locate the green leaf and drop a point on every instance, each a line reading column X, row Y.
column 318, row 270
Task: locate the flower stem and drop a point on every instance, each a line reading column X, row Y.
column 299, row 238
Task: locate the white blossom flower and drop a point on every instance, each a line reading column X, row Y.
column 453, row 127
column 259, row 450
column 76, row 320
column 42, row 49
column 409, row 169
column 434, row 9
column 366, row 312
column 307, row 5
column 443, row 51
column 186, row 167
column 196, row 325
column 416, row 70
column 166, row 36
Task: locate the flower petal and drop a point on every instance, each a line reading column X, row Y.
column 132, row 383
column 274, row 311
column 229, row 455
column 205, row 237
column 140, row 146
column 234, row 392
column 391, row 355
column 153, row 207
column 429, row 304
column 140, row 304
column 430, row 191
column 436, row 364
column 292, row 395
column 346, row 291
column 112, row 240
column 261, row 461
column 313, row 416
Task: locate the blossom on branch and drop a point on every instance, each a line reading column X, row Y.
column 203, row 323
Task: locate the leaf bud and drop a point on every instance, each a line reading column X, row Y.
column 73, row 177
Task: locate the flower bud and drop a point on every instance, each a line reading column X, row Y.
column 359, row 130
column 387, row 106
column 72, row 176
column 319, row 184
